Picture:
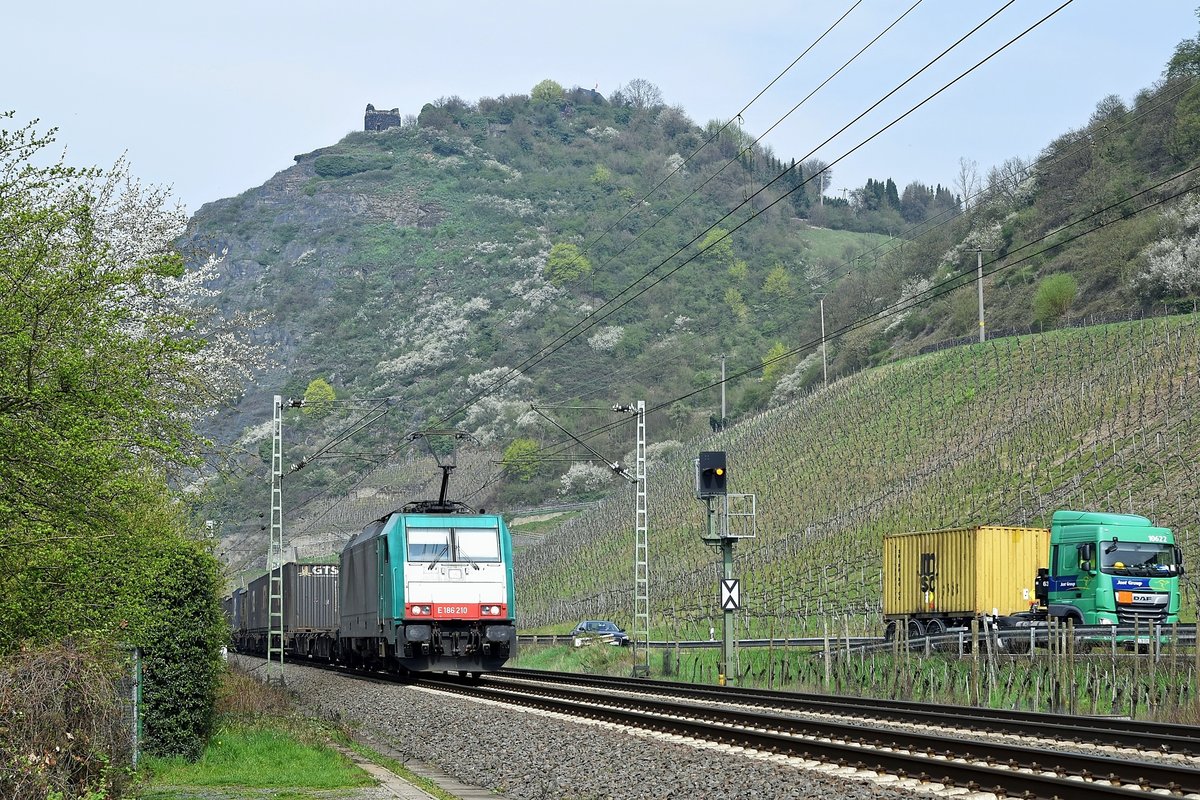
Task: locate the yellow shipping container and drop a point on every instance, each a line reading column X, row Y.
column 962, row 572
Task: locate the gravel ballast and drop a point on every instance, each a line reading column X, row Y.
column 527, row 755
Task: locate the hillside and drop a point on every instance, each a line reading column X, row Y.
column 1006, row 432
column 422, row 263
column 582, row 241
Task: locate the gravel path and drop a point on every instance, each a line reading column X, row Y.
column 527, row 755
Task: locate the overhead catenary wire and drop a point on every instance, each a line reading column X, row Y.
column 953, row 282
column 590, row 322
column 593, row 319
column 753, row 216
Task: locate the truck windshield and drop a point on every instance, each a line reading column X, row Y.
column 1137, row 558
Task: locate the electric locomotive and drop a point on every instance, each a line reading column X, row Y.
column 428, row 587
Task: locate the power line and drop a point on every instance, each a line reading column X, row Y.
column 756, row 214
column 953, row 282
column 545, row 352
column 591, row 320
column 731, row 120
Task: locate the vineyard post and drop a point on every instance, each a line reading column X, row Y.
column 825, row 640
column 975, row 661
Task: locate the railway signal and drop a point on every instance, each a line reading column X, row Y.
column 711, row 474
column 712, row 483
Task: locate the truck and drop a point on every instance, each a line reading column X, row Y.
column 1090, row 567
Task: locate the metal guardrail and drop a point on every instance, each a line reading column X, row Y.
column 810, row 641
column 1022, row 639
column 552, row 509
column 959, row 639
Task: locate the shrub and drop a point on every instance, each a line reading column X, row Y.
column 1054, row 297
column 520, row 460
column 65, row 726
column 339, row 166
column 548, row 91
column 566, row 263
column 181, row 662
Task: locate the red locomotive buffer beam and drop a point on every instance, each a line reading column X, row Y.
column 457, row 611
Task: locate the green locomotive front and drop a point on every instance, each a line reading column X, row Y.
column 428, row 592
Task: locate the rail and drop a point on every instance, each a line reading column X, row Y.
column 952, row 757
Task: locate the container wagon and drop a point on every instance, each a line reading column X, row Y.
column 310, row 612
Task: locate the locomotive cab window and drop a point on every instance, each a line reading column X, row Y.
column 476, row 544
column 457, row 545
column 428, row 544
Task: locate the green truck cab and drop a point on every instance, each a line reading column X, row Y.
column 1110, row 569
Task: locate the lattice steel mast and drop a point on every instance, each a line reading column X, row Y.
column 275, row 553
column 641, row 557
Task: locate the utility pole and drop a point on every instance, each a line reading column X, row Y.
column 979, row 285
column 722, row 391
column 275, row 558
column 275, row 553
column 824, row 360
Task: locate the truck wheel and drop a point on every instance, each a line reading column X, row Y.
column 935, row 628
column 916, row 629
column 889, row 631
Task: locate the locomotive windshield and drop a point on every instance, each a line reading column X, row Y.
column 453, row 544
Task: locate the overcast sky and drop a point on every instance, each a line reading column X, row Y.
column 213, row 98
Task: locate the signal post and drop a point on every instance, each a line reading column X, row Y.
column 712, row 484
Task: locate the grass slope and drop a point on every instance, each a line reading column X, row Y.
column 1102, row 418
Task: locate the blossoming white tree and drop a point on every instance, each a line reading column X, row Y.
column 110, row 350
column 1173, row 262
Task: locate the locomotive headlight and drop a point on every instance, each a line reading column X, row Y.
column 418, row 611
column 496, row 611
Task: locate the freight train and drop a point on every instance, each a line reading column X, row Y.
column 428, row 587
column 1090, row 567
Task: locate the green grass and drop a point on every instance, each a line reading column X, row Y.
column 263, row 748
column 1089, row 682
column 594, row 659
column 261, row 756
column 831, row 246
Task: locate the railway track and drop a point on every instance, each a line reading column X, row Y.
column 759, row 721
column 1157, row 737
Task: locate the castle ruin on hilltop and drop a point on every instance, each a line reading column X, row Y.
column 381, row 120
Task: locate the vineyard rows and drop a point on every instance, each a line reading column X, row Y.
column 1005, row 432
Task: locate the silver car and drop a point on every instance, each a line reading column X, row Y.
column 602, row 630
